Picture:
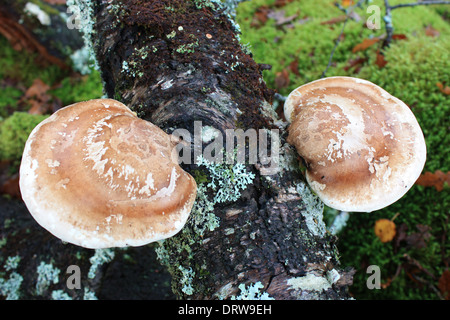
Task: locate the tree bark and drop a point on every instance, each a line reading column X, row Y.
column 176, row 62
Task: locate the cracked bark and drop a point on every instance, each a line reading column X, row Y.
column 176, row 62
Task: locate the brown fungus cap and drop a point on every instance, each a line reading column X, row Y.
column 95, row 175
column 363, row 147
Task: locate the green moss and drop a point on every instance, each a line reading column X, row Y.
column 9, row 98
column 359, row 247
column 78, row 89
column 310, row 42
column 14, row 132
column 22, row 66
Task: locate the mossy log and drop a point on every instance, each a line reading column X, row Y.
column 178, row 62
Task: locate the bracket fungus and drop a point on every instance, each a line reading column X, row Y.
column 363, row 147
column 95, row 175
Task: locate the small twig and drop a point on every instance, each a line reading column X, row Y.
column 418, row 265
column 388, row 24
column 348, row 13
column 430, row 285
column 338, row 40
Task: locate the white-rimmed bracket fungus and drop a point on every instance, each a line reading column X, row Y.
column 363, row 148
column 95, row 175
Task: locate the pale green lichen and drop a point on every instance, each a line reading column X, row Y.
column 47, row 275
column 10, row 288
column 228, row 180
column 81, row 60
column 187, row 48
column 200, row 4
column 310, row 282
column 252, row 292
column 171, row 35
column 85, row 21
column 100, row 257
column 186, row 280
column 12, row 263
column 339, row 222
column 202, row 214
column 220, row 183
column 89, row 295
column 60, row 295
column 313, row 212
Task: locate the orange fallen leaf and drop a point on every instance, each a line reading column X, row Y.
column 399, row 37
column 365, row 44
column 37, row 89
column 436, row 179
column 37, row 97
column 347, row 3
column 380, row 62
column 385, row 230
column 261, row 16
column 444, row 90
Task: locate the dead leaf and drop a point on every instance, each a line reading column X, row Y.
column 436, row 179
column 260, row 17
column 334, row 20
column 399, row 37
column 293, row 67
column 445, row 90
column 380, row 61
column 40, row 101
column 365, row 44
column 10, row 186
column 37, row 89
column 419, row 239
column 355, row 63
column 385, row 230
column 347, row 3
column 431, row 32
column 282, row 79
column 444, row 284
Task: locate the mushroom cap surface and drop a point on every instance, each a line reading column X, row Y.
column 95, row 175
column 363, row 147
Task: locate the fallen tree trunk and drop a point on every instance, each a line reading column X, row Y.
column 256, row 231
